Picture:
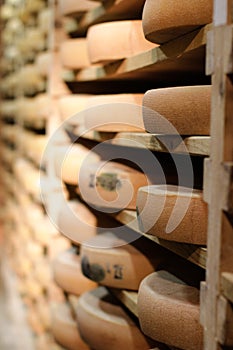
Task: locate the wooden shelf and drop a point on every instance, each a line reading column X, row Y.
column 227, row 285
column 191, row 252
column 128, row 298
column 110, row 10
column 180, row 61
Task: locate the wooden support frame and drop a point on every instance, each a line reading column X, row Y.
column 216, row 314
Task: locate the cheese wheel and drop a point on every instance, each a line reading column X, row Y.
column 8, row 108
column 164, row 20
column 116, row 40
column 30, row 79
column 67, row 273
column 44, row 63
column 114, row 113
column 73, row 53
column 68, row 7
column 43, row 106
column 76, row 221
column 169, row 311
column 110, row 185
column 45, row 18
column 64, row 328
column 104, row 325
column 122, row 266
column 155, row 206
column 69, row 159
column 71, row 105
column 186, row 108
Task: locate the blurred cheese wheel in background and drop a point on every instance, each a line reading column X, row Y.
column 104, row 324
column 71, row 105
column 67, row 273
column 164, row 20
column 187, row 108
column 114, row 113
column 68, row 7
column 44, row 63
column 116, row 40
column 73, row 53
column 64, row 328
column 169, row 311
column 119, row 266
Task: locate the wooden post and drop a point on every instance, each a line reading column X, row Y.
column 220, row 229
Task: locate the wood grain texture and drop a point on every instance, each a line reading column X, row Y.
column 166, row 20
column 155, row 206
column 186, row 108
column 158, row 311
column 101, row 320
column 121, row 39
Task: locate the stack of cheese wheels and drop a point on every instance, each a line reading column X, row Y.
column 69, row 160
column 114, row 113
column 31, row 80
column 110, row 184
column 164, row 20
column 74, row 54
column 187, row 109
column 169, row 311
column 76, row 221
column 113, row 41
column 167, row 211
column 64, row 328
column 113, row 262
column 77, row 8
column 67, row 273
column 104, row 325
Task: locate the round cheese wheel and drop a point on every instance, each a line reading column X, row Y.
column 73, row 53
column 114, row 113
column 116, row 40
column 8, row 108
column 68, row 7
column 104, row 325
column 76, row 221
column 71, row 105
column 44, row 63
column 67, row 273
column 30, row 79
column 155, row 206
column 186, row 108
column 110, row 185
column 164, row 20
column 69, row 159
column 64, row 328
column 45, row 18
column 122, row 266
column 169, row 311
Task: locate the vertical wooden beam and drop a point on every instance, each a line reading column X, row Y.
column 220, row 237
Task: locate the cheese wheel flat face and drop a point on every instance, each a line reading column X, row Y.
column 71, row 105
column 68, row 162
column 167, row 211
column 169, row 311
column 67, row 273
column 64, row 328
column 68, row 7
column 76, row 221
column 110, row 185
column 104, row 325
column 116, row 40
column 114, row 113
column 186, row 108
column 73, row 53
column 164, row 20
column 122, row 266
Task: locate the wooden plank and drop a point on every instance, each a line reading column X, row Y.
column 227, row 285
column 177, row 57
column 225, row 322
column 128, row 298
column 193, row 253
column 110, row 10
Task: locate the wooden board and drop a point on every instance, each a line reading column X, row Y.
column 74, row 54
column 121, row 265
column 166, row 20
column 114, row 113
column 157, row 311
column 155, row 206
column 68, row 275
column 187, row 109
column 64, row 328
column 110, row 185
column 128, row 298
column 101, row 320
column 121, row 39
column 227, row 285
